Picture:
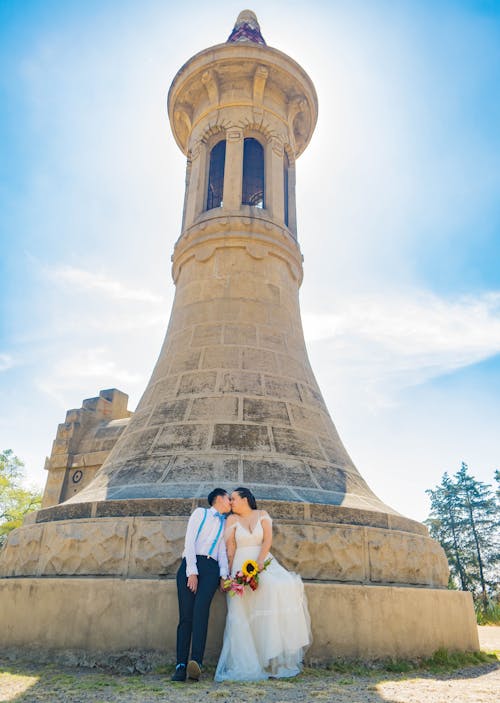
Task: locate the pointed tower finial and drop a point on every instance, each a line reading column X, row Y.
column 246, row 29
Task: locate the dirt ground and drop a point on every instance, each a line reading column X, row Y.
column 22, row 682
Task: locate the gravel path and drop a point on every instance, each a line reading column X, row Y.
column 29, row 683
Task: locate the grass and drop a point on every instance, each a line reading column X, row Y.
column 30, row 682
column 489, row 615
column 442, row 661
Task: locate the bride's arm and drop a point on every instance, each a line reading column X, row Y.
column 267, row 528
column 230, row 540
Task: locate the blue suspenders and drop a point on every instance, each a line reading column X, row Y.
column 218, row 533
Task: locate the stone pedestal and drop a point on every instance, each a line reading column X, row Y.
column 110, row 616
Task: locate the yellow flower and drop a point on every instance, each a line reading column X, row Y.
column 250, row 568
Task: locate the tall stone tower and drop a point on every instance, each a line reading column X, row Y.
column 232, row 399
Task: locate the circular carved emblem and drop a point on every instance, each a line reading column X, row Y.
column 77, row 476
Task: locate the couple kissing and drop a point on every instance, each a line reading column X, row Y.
column 267, row 630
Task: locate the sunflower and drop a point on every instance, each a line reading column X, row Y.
column 250, row 568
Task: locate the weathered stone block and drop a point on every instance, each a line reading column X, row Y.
column 335, row 452
column 211, row 469
column 156, row 547
column 149, row 471
column 240, row 334
column 135, row 444
column 269, row 339
column 185, row 361
column 205, row 335
column 183, row 436
column 266, row 411
column 330, row 478
column 310, row 395
column 220, row 408
column 241, row 382
column 290, row 367
column 396, row 557
column 168, row 411
column 221, row 358
column 259, row 360
column 297, row 443
column 307, row 418
column 241, row 438
column 294, row 473
column 21, row 552
column 200, row 382
column 281, row 388
column 84, row 547
column 317, row 552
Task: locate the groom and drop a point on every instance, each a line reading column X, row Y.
column 204, row 564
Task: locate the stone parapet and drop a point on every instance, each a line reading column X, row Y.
column 143, row 546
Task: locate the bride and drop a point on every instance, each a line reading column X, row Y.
column 267, row 630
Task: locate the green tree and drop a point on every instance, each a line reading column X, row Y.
column 464, row 518
column 15, row 500
column 445, row 526
column 480, row 513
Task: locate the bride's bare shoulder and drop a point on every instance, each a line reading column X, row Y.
column 231, row 520
column 264, row 515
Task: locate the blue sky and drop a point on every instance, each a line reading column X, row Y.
column 398, row 210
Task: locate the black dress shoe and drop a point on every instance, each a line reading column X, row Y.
column 179, row 673
column 193, row 670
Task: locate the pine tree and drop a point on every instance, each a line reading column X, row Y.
column 465, row 519
column 444, row 525
column 480, row 514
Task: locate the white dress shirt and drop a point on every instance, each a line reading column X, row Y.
column 194, row 545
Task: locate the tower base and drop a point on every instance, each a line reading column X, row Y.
column 94, row 619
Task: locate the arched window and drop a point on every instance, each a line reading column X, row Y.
column 253, row 173
column 286, row 166
column 216, row 175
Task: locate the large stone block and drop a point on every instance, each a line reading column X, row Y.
column 221, row 358
column 240, row 334
column 241, row 438
column 289, row 441
column 265, row 411
column 182, row 436
column 214, row 408
column 241, row 382
column 274, row 472
column 201, row 382
column 205, row 335
column 84, row 547
column 110, row 615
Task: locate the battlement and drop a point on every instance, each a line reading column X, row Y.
column 82, row 444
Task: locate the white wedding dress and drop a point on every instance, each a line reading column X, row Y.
column 267, row 630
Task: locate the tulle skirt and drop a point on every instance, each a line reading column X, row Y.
column 267, row 630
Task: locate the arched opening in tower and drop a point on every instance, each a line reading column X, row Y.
column 253, row 173
column 216, row 175
column 286, row 166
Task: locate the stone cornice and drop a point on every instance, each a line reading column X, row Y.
column 260, row 237
column 204, row 72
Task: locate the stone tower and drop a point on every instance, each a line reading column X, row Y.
column 232, row 399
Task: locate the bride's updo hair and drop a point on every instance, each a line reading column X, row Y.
column 247, row 493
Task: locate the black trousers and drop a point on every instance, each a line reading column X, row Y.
column 194, row 609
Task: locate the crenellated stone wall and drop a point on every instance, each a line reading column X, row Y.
column 82, row 444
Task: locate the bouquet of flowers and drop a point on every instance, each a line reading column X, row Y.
column 247, row 576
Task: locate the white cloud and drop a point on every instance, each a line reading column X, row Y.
column 6, row 362
column 90, row 281
column 85, row 368
column 392, row 341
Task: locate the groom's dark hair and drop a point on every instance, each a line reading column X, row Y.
column 214, row 494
